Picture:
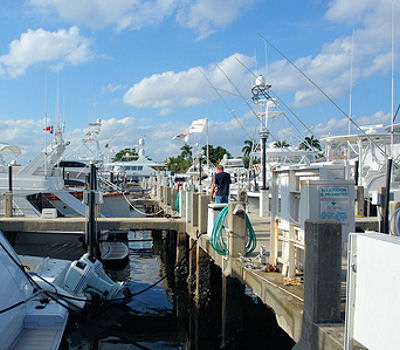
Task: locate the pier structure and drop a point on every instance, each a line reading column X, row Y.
column 309, row 310
column 285, row 297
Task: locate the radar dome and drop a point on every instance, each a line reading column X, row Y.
column 260, row 80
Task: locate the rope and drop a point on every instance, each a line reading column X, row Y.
column 219, row 243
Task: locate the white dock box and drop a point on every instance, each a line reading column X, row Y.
column 49, row 213
column 213, row 211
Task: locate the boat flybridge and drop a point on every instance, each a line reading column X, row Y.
column 134, row 170
column 280, row 158
column 371, row 150
column 38, row 176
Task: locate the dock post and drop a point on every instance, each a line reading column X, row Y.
column 237, row 230
column 195, row 209
column 188, row 206
column 322, row 280
column 191, row 279
column 8, row 203
column 91, row 224
column 174, row 193
column 202, row 282
column 273, row 254
column 359, row 207
column 182, row 203
column 164, row 194
column 181, row 249
column 393, row 206
column 204, row 201
column 158, row 191
column 264, row 203
column 8, row 199
column 169, row 197
column 232, row 320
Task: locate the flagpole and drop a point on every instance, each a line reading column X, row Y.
column 207, row 155
column 46, row 114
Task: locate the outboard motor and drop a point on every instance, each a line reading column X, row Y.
column 87, row 277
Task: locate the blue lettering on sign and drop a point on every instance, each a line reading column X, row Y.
column 338, row 216
column 327, row 192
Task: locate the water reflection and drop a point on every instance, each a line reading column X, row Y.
column 165, row 317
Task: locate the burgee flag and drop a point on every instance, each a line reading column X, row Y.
column 49, row 129
column 198, row 125
column 181, row 137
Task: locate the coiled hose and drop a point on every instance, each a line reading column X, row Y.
column 219, row 243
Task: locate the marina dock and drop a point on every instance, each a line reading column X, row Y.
column 190, row 231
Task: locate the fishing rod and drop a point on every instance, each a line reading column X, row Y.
column 324, row 94
column 283, row 103
column 225, row 103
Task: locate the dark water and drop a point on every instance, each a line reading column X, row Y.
column 163, row 317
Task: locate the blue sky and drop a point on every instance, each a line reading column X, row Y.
column 139, row 65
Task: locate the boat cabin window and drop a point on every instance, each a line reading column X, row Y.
column 133, row 167
column 71, row 164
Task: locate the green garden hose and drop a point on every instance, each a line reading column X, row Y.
column 218, row 242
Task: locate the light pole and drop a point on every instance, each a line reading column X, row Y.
column 261, row 97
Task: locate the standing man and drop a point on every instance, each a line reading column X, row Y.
column 220, row 187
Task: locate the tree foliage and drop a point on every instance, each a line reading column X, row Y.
column 281, row 144
column 178, row 164
column 216, row 154
column 310, row 143
column 186, row 153
column 249, row 146
column 126, row 154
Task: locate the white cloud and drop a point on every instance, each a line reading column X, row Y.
column 206, row 16
column 344, row 10
column 188, row 88
column 378, row 118
column 35, row 46
column 202, row 16
column 330, row 69
column 112, row 87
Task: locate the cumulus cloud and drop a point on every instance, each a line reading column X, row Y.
column 202, row 16
column 188, row 88
column 206, row 16
column 35, row 46
column 330, row 69
column 377, row 118
column 339, row 126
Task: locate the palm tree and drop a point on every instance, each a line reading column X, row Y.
column 281, row 144
column 310, row 143
column 186, row 152
column 249, row 147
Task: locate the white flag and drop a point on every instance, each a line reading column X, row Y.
column 198, row 125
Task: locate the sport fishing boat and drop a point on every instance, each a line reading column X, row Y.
column 366, row 155
column 27, row 315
